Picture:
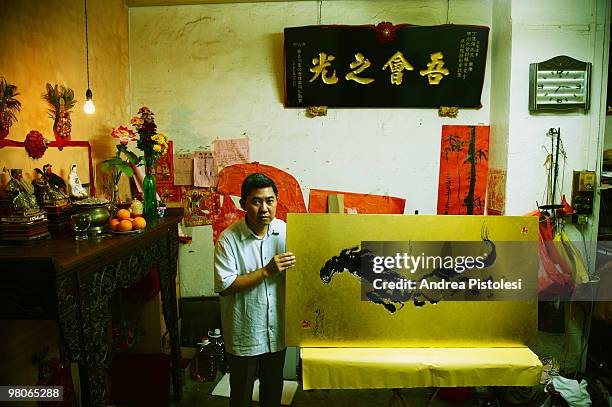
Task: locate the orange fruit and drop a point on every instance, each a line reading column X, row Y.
column 124, row 226
column 113, row 224
column 139, row 223
column 123, row 214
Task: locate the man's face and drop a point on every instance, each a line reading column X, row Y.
column 260, row 207
column 48, row 170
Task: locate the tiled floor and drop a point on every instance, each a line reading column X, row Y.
column 199, row 394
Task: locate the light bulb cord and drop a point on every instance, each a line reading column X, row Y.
column 86, row 45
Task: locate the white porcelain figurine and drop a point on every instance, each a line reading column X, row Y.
column 76, row 189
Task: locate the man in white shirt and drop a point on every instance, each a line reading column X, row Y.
column 250, row 260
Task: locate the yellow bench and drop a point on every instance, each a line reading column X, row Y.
column 370, row 368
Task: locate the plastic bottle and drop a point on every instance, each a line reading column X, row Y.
column 203, row 368
column 219, row 346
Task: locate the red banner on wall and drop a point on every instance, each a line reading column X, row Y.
column 354, row 202
column 464, row 158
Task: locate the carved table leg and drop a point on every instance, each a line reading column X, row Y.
column 167, row 278
column 68, row 316
column 97, row 291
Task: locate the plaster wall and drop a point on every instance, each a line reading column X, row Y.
column 215, row 71
column 44, row 42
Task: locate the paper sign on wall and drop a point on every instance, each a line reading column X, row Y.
column 229, row 152
column 169, row 193
column 201, row 205
column 204, row 169
column 163, row 170
column 183, row 169
column 496, row 192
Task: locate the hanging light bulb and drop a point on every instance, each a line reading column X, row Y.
column 89, row 107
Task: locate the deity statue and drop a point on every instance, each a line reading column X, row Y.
column 53, row 179
column 76, row 189
column 21, row 194
column 47, row 194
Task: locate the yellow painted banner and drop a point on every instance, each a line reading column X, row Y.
column 326, row 309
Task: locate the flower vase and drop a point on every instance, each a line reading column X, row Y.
column 115, row 193
column 112, row 205
column 150, row 194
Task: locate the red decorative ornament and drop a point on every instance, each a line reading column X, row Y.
column 61, row 101
column 385, row 32
column 35, row 144
column 5, row 124
column 62, row 126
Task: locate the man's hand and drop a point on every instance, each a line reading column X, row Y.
column 279, row 263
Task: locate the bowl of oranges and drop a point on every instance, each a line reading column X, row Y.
column 126, row 223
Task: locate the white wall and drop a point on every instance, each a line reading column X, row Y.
column 211, row 71
column 542, row 30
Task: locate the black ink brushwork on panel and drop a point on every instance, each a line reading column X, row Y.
column 359, row 263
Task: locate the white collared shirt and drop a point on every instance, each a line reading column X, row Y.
column 253, row 319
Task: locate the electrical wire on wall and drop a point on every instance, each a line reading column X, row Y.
column 319, row 7
column 447, row 10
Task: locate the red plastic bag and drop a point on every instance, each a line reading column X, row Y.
column 554, row 277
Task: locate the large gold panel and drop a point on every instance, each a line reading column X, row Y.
column 333, row 314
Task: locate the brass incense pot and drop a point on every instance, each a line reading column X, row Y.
column 97, row 209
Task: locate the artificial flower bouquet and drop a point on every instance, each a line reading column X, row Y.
column 153, row 144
